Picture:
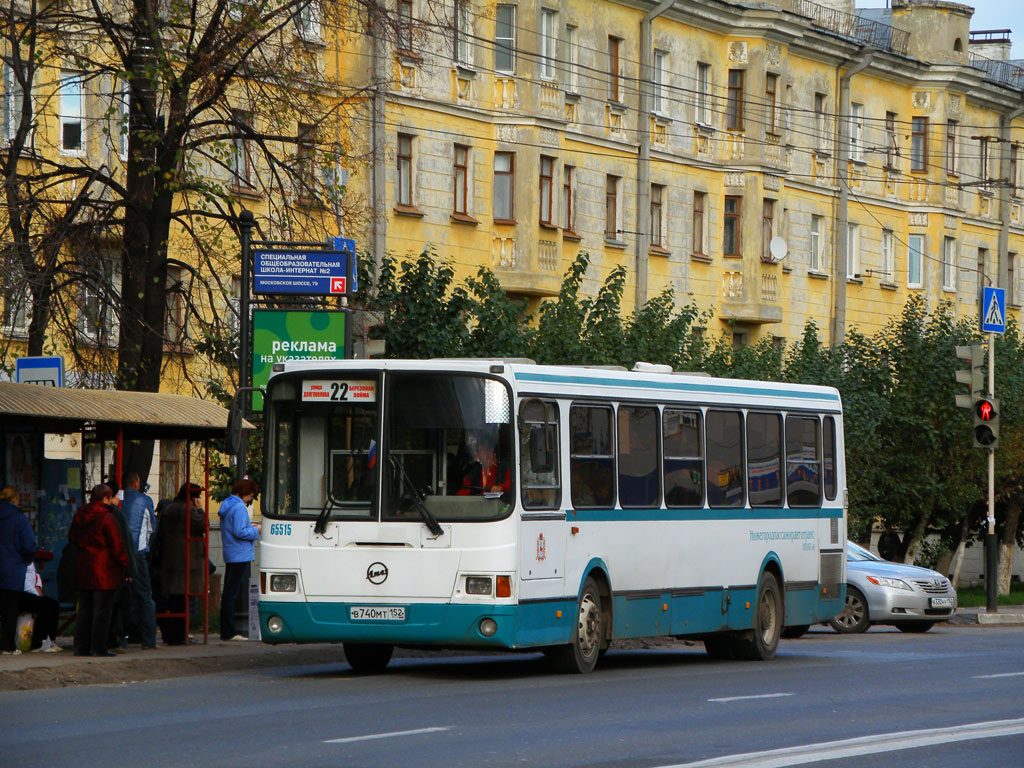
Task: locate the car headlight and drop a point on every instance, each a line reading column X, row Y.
column 882, row 581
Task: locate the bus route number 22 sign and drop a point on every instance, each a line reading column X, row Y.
column 339, row 391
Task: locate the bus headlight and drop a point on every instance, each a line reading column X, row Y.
column 478, row 585
column 275, row 624
column 283, row 582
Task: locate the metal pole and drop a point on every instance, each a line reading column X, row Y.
column 991, row 549
column 246, row 222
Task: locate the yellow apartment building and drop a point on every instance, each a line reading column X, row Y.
column 774, row 162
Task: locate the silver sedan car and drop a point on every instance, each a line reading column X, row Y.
column 880, row 592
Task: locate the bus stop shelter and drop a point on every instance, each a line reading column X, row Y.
column 52, row 490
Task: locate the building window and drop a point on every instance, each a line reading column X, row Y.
column 611, row 207
column 703, row 110
column 734, row 101
column 731, row 226
column 12, row 103
column 404, row 169
column 915, row 259
column 816, row 243
column 572, row 44
column 857, row 132
column 614, row 74
column 461, row 179
column 888, row 256
column 892, row 147
column 505, row 38
column 568, row 198
column 771, row 86
column 307, row 21
column 548, row 44
column 305, row 145
column 403, row 39
column 853, row 251
column 462, row 31
column 72, row 113
column 767, row 229
column 504, row 186
column 1014, row 170
column 659, row 101
column 97, row 313
column 982, row 260
column 983, row 163
column 241, row 156
column 16, row 298
column 1011, row 262
column 919, row 144
column 948, row 264
column 699, row 206
column 657, row 195
column 951, row 158
column 547, row 173
column 821, row 120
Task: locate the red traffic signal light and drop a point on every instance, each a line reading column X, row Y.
column 984, row 409
column 986, row 422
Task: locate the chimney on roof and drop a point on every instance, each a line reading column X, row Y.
column 939, row 29
column 991, row 43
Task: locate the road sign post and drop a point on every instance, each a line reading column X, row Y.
column 992, row 317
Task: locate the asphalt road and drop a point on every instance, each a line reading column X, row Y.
column 952, row 697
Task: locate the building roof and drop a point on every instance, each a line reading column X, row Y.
column 140, row 415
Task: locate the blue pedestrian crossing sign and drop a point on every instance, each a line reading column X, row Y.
column 993, row 310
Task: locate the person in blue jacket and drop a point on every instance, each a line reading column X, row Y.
column 17, row 548
column 237, row 536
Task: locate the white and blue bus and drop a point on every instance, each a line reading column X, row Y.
column 499, row 504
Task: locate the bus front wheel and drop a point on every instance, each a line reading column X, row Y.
column 368, row 658
column 582, row 653
column 761, row 642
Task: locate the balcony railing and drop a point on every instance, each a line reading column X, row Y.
column 866, row 31
column 1002, row 72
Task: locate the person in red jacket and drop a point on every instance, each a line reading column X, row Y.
column 102, row 559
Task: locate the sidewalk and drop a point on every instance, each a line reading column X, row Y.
column 28, row 671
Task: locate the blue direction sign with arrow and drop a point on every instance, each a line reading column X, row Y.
column 310, row 272
column 993, row 310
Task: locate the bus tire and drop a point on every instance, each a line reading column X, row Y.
column 368, row 658
column 761, row 642
column 581, row 654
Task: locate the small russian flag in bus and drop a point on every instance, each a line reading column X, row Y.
column 371, row 458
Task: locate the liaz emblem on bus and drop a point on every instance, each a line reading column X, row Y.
column 542, row 549
column 340, row 391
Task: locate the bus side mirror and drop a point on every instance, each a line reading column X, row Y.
column 540, row 451
column 233, row 438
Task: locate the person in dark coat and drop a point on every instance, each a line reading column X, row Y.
column 169, row 541
column 17, row 548
column 102, row 560
column 889, row 543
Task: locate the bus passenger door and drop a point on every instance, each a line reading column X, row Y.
column 542, row 534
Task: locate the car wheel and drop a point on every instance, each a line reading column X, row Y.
column 915, row 626
column 761, row 642
column 581, row 655
column 368, row 658
column 854, row 618
column 797, row 630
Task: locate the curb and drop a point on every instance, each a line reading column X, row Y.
column 983, row 618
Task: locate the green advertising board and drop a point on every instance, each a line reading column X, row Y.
column 287, row 334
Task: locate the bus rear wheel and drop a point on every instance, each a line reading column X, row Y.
column 582, row 653
column 761, row 642
column 368, row 658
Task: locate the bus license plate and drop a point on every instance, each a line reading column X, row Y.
column 942, row 602
column 377, row 613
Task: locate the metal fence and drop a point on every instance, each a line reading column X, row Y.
column 1002, row 72
column 863, row 30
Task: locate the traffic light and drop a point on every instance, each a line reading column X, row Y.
column 973, row 376
column 986, row 422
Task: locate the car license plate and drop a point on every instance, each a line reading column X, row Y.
column 377, row 613
column 942, row 602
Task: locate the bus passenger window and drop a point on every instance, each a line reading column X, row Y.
column 724, row 440
column 684, row 459
column 803, row 461
column 591, row 462
column 829, row 444
column 538, row 447
column 764, row 459
column 638, row 457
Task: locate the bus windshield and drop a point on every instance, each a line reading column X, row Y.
column 446, row 445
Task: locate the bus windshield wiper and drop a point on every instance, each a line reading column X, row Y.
column 325, row 513
column 428, row 519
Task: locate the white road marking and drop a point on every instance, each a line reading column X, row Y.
column 748, row 698
column 864, row 745
column 371, row 736
column 1003, row 674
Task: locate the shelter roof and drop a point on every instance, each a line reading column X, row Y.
column 141, row 415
